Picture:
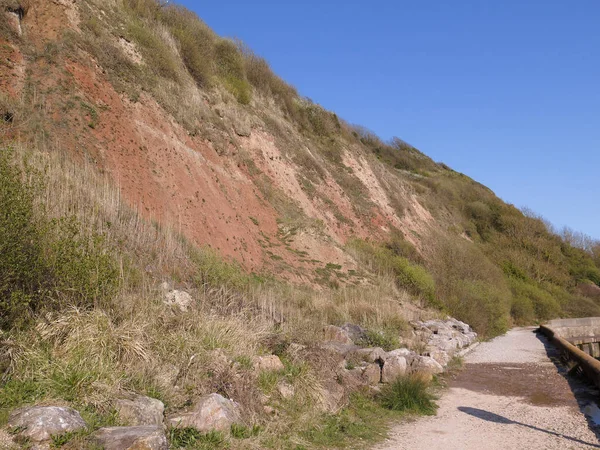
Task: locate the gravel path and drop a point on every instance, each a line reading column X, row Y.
column 510, row 396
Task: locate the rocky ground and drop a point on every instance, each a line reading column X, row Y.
column 510, row 395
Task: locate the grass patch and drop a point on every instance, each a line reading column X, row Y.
column 409, row 394
column 191, row 438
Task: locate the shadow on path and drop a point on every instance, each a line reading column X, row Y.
column 584, row 390
column 491, row 417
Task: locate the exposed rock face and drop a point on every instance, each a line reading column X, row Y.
column 140, row 411
column 179, row 299
column 40, row 423
column 268, row 363
column 148, row 437
column 337, row 334
column 213, row 412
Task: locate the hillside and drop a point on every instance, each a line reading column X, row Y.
column 141, row 152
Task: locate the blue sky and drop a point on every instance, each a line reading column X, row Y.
column 507, row 92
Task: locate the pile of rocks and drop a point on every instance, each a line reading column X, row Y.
column 145, row 416
column 438, row 340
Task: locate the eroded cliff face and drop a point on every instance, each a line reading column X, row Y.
column 239, row 189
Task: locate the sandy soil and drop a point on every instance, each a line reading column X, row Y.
column 510, row 396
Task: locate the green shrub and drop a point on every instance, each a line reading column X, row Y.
column 387, row 339
column 45, row 263
column 231, row 70
column 191, row 438
column 159, row 57
column 408, row 394
column 196, row 42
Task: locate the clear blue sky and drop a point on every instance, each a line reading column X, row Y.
column 507, row 92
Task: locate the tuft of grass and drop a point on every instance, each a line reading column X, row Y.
column 191, row 438
column 409, row 394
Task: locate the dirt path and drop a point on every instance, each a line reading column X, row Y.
column 510, row 396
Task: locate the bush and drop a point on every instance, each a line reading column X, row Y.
column 45, row 263
column 409, row 394
column 160, row 58
column 230, row 67
column 196, row 42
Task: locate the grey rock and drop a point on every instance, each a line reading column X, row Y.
column 213, row 412
column 146, row 437
column 341, row 349
column 286, row 390
column 140, row 411
column 40, row 423
column 426, row 365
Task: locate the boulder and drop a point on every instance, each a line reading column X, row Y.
column 213, row 412
column 140, row 411
column 270, row 363
column 179, row 299
column 371, row 374
column 356, row 332
column 332, row 398
column 374, row 354
column 146, row 437
column 426, row 365
column 404, row 352
column 393, row 367
column 40, row 423
column 337, row 334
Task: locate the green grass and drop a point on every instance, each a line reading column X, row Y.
column 191, row 438
column 409, row 394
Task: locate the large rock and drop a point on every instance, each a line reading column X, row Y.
column 371, row 374
column 332, row 398
column 374, row 354
column 337, row 334
column 425, row 366
column 268, row 363
column 179, row 299
column 339, row 348
column 40, row 423
column 356, row 332
column 147, row 437
column 213, row 412
column 393, row 367
column 140, row 411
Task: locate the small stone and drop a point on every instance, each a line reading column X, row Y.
column 140, row 411
column 270, row 363
column 269, row 410
column 40, row 423
column 286, row 390
column 213, row 412
column 147, row 437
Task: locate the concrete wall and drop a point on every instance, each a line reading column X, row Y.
column 576, row 328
